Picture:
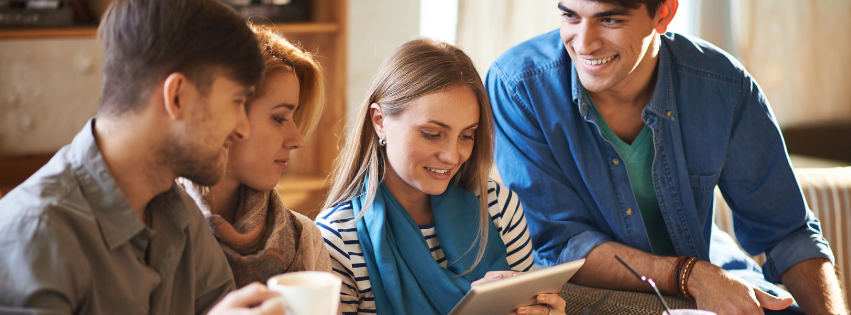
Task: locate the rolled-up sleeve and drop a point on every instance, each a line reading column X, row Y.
column 770, row 213
column 560, row 223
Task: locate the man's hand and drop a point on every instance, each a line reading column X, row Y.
column 715, row 289
column 241, row 302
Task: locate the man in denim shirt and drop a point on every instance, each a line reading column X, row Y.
column 614, row 134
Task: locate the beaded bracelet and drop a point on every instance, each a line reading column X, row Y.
column 673, row 276
column 684, row 276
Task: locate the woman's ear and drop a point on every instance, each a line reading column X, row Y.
column 376, row 115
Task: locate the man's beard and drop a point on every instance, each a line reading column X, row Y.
column 188, row 159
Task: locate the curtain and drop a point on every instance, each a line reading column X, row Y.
column 487, row 28
column 798, row 52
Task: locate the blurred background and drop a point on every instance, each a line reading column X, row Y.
column 50, row 65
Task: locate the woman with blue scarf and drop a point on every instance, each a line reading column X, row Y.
column 412, row 220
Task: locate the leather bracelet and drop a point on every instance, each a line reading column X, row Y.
column 673, row 276
column 679, row 272
column 684, row 276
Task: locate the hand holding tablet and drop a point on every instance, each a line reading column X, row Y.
column 510, row 290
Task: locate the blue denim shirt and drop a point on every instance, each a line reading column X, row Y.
column 711, row 126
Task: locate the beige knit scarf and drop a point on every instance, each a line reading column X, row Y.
column 263, row 241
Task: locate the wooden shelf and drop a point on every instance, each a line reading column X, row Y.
column 304, row 188
column 307, row 27
column 67, row 32
column 14, row 170
column 303, row 194
column 91, row 31
column 301, row 183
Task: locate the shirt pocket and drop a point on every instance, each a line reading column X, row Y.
column 703, row 189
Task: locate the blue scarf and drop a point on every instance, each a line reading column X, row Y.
column 405, row 278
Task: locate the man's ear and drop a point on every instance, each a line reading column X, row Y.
column 665, row 14
column 376, row 115
column 175, row 89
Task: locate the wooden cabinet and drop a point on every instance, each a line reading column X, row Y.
column 303, row 187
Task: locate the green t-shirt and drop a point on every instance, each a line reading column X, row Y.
column 638, row 159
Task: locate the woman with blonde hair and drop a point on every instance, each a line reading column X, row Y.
column 412, row 221
column 259, row 235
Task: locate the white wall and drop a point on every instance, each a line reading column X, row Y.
column 798, row 52
column 376, row 27
column 48, row 90
column 488, row 28
column 439, row 19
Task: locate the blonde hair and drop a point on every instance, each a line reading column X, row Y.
column 281, row 55
column 414, row 69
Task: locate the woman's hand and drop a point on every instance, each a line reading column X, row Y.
column 492, row 276
column 549, row 302
column 241, row 302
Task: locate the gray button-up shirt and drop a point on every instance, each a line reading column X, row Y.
column 71, row 244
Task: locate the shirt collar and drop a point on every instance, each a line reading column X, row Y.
column 661, row 103
column 117, row 220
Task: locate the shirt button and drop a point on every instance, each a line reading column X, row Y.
column 615, row 162
column 629, row 211
column 670, row 113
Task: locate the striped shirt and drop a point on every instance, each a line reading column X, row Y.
column 347, row 261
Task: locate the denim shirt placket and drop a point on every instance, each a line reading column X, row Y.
column 634, row 224
column 662, row 120
column 663, row 179
column 666, row 171
column 665, row 187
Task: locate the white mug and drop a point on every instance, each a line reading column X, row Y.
column 307, row 292
column 688, row 312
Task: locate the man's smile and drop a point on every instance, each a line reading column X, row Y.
column 598, row 61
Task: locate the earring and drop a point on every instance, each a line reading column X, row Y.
column 382, row 142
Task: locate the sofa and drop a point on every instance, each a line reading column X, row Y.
column 828, row 194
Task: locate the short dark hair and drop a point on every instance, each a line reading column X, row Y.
column 650, row 5
column 147, row 40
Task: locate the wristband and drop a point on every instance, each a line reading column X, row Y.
column 684, row 276
column 673, row 276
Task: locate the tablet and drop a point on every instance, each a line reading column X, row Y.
column 506, row 295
